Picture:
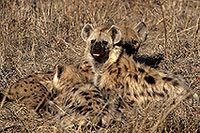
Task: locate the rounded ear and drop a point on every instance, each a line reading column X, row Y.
column 86, row 31
column 115, row 34
column 109, row 22
column 141, row 31
column 59, row 70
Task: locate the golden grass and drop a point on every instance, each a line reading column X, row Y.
column 36, row 35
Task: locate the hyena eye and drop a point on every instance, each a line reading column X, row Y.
column 93, row 41
column 105, row 42
column 134, row 41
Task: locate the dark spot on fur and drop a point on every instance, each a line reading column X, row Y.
column 160, row 94
column 135, row 95
column 72, row 106
column 97, row 102
column 175, row 83
column 84, row 93
column 132, row 102
column 122, row 87
column 117, row 64
column 149, row 94
column 150, row 79
column 130, row 75
column 87, row 98
column 25, row 90
column 68, row 102
column 100, row 123
column 141, row 70
column 90, row 103
column 95, row 91
column 31, row 82
column 165, row 90
column 29, row 76
column 114, row 71
column 108, row 89
column 25, row 82
column 119, row 72
column 167, row 78
column 127, row 85
column 49, row 72
column 75, row 89
column 126, row 68
column 136, row 77
column 88, row 109
column 86, row 70
column 97, row 96
column 142, row 94
column 31, row 89
column 128, row 93
column 110, row 67
column 86, row 62
column 79, row 108
column 153, row 93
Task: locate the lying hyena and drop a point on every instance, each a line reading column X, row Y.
column 33, row 91
column 83, row 102
column 117, row 74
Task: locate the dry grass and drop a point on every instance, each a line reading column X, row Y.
column 35, row 35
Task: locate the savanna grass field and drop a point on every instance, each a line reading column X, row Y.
column 36, row 35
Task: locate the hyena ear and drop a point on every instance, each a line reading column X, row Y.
column 141, row 31
column 59, row 70
column 115, row 34
column 109, row 22
column 86, row 31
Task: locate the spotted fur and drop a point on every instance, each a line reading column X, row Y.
column 33, row 91
column 115, row 71
column 83, row 102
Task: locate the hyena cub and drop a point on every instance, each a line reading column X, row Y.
column 83, row 102
column 116, row 73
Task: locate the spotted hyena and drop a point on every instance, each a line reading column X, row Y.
column 114, row 70
column 83, row 102
column 33, row 91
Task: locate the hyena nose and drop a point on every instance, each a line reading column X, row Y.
column 97, row 48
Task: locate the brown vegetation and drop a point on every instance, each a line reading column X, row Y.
column 35, row 35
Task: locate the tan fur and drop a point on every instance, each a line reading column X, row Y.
column 82, row 101
column 32, row 91
column 134, row 82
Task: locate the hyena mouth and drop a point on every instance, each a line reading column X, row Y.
column 99, row 52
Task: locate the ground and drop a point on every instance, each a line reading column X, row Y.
column 37, row 35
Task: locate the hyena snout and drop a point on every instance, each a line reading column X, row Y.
column 98, row 51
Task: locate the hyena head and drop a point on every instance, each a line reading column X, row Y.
column 65, row 77
column 107, row 42
column 100, row 42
